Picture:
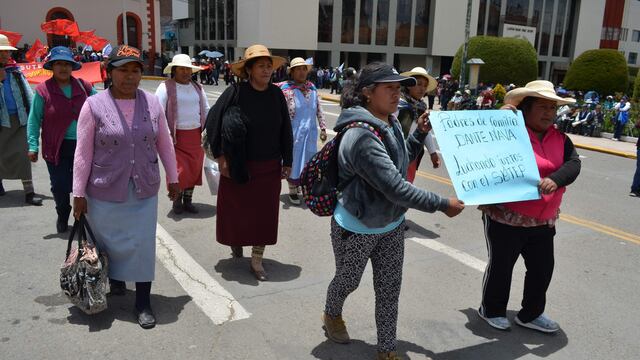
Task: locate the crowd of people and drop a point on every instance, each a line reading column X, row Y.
column 103, row 149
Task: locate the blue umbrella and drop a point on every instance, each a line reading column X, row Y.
column 203, row 52
column 212, row 54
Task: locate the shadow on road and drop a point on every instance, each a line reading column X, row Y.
column 419, row 230
column 237, row 270
column 206, row 211
column 359, row 349
column 15, row 198
column 167, row 310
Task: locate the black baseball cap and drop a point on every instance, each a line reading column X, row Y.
column 385, row 73
column 124, row 54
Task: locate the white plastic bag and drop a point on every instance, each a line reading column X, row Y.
column 212, row 174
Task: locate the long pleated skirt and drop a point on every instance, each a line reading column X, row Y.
column 127, row 232
column 247, row 214
column 14, row 163
column 190, row 158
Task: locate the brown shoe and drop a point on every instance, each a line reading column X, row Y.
column 260, row 275
column 335, row 329
column 388, row 356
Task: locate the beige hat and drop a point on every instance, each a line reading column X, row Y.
column 538, row 88
column 252, row 52
column 420, row 71
column 181, row 60
column 298, row 62
column 5, row 44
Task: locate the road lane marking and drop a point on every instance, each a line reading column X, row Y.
column 216, row 302
column 620, row 234
column 456, row 254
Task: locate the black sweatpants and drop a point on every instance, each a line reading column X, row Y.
column 61, row 177
column 505, row 244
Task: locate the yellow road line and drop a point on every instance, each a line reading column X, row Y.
column 623, row 235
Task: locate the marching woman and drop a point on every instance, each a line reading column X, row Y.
column 304, row 110
column 55, row 109
column 116, row 177
column 249, row 134
column 186, row 106
column 527, row 228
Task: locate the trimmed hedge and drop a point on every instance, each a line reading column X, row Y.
column 602, row 70
column 507, row 60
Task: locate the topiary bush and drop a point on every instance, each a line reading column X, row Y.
column 499, row 92
column 636, row 89
column 507, row 60
column 602, row 70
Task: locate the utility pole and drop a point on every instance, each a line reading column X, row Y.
column 463, row 62
column 125, row 39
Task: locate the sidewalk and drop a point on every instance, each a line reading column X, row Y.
column 626, row 148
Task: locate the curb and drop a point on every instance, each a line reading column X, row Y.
column 330, row 97
column 151, row 77
column 606, row 151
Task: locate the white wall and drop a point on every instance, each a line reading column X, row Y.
column 449, row 25
column 179, row 9
column 589, row 26
column 25, row 17
column 271, row 23
column 631, row 21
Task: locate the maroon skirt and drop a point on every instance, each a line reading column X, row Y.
column 247, row 214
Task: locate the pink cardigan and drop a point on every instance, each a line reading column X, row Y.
column 86, row 132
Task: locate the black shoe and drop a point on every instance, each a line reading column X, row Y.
column 117, row 287
column 61, row 225
column 2, row 192
column 32, row 199
column 177, row 206
column 635, row 193
column 189, row 207
column 146, row 319
column 236, row 251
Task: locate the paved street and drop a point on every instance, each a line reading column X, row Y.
column 209, row 306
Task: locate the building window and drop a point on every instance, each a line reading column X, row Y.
column 421, row 30
column 545, row 34
column 59, row 40
column 403, row 22
column 196, row 7
column 568, row 32
column 481, row 15
column 205, row 33
column 221, row 19
column 382, row 22
column 231, row 10
column 348, row 20
column 493, row 24
column 325, row 20
column 366, row 16
column 517, row 12
column 134, row 30
column 635, row 36
column 212, row 19
column 559, row 30
column 633, row 57
column 535, row 20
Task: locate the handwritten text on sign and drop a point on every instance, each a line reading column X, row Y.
column 488, row 155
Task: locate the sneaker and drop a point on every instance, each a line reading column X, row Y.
column 499, row 322
column 335, row 329
column 614, row 139
column 635, row 193
column 294, row 198
column 541, row 323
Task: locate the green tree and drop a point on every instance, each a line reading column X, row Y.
column 602, row 70
column 507, row 60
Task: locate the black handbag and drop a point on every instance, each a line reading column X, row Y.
column 84, row 275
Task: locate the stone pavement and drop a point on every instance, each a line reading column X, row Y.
column 626, row 148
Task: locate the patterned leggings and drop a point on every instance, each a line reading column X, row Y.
column 352, row 252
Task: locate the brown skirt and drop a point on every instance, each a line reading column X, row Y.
column 247, row 214
column 14, row 163
column 190, row 158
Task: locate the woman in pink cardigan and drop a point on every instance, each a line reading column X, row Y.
column 121, row 133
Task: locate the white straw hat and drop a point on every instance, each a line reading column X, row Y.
column 181, row 60
column 298, row 62
column 5, row 44
column 420, row 71
column 538, row 88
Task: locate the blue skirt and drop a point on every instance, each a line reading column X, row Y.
column 127, row 233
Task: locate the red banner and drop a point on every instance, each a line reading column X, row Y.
column 13, row 37
column 35, row 73
column 84, row 36
column 61, row 27
column 97, row 43
column 36, row 50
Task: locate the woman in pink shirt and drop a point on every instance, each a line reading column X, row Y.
column 121, row 133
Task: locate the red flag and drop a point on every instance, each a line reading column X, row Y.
column 61, row 27
column 84, row 36
column 35, row 51
column 14, row 37
column 97, row 43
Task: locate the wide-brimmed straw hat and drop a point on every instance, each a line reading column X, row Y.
column 5, row 44
column 61, row 53
column 252, row 52
column 538, row 88
column 298, row 62
column 420, row 71
column 181, row 60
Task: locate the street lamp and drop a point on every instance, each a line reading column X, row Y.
column 474, row 73
column 466, row 44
